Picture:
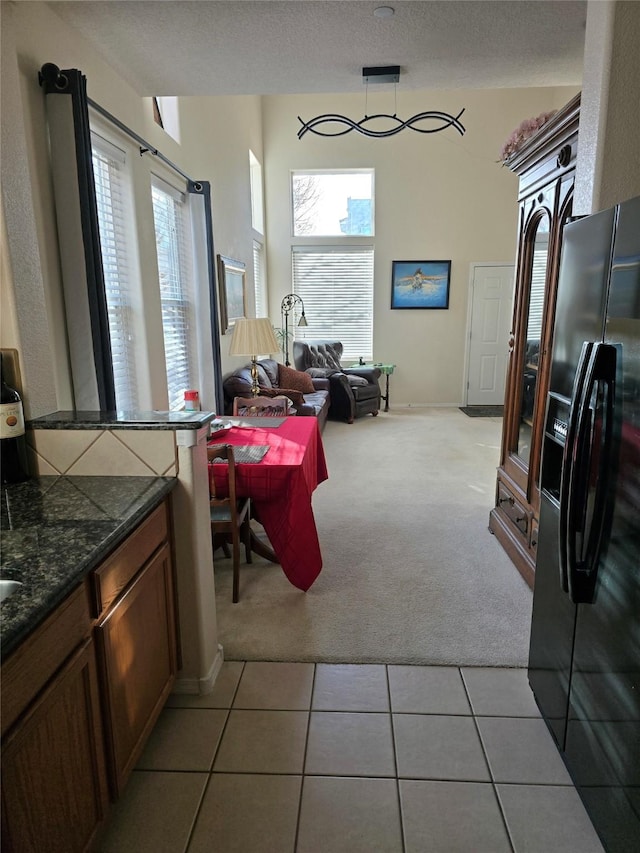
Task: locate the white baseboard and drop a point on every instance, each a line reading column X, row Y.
column 204, row 685
column 423, row 406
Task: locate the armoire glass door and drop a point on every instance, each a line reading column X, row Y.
column 538, row 254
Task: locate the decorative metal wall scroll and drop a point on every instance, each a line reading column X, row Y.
column 361, row 126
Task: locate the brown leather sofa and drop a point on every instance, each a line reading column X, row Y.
column 306, row 404
column 354, row 391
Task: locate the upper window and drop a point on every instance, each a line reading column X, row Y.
column 165, row 113
column 257, row 205
column 332, row 203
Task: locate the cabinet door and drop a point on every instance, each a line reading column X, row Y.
column 54, row 791
column 529, row 345
column 137, row 655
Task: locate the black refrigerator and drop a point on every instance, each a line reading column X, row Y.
column 584, row 658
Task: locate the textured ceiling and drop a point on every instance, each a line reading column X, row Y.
column 217, row 47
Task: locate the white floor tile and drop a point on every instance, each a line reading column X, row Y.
column 350, row 687
column 350, row 745
column 276, row 686
column 263, row 742
column 500, row 692
column 437, row 747
column 546, row 818
column 248, row 814
column 427, row 690
column 452, row 817
column 522, row 750
column 349, row 816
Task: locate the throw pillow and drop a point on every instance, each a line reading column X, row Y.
column 297, row 379
column 295, row 396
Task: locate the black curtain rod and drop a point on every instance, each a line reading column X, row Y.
column 144, row 145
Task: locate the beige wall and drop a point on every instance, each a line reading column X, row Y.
column 438, row 196
column 216, row 134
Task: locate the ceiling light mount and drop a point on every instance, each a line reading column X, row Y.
column 384, row 12
column 381, row 74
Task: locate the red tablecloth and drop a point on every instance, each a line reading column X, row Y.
column 281, row 486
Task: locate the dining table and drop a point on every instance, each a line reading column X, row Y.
column 280, row 486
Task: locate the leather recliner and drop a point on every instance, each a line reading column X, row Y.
column 353, row 391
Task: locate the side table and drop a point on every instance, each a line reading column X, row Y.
column 387, row 370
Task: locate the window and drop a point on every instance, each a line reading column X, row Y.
column 259, row 282
column 336, row 286
column 165, row 113
column 174, row 269
column 257, row 206
column 112, row 201
column 327, row 204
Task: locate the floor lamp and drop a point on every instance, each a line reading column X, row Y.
column 286, row 307
column 253, row 336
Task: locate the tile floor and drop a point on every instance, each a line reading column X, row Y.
column 325, row 758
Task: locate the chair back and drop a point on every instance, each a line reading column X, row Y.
column 261, row 407
column 317, row 353
column 224, row 452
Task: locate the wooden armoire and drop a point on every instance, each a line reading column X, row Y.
column 545, row 165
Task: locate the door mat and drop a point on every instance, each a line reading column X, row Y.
column 483, row 411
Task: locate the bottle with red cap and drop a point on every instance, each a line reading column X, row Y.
column 191, row 401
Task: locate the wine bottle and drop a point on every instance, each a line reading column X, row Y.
column 13, row 446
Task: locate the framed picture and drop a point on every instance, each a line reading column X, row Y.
column 233, row 291
column 420, row 284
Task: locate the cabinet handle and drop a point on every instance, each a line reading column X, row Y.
column 509, row 501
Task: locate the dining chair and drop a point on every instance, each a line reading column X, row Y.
column 260, row 407
column 229, row 515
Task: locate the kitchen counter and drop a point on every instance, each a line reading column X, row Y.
column 122, row 420
column 54, row 530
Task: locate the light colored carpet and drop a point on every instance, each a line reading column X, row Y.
column 411, row 573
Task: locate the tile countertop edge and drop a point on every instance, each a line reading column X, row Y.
column 24, row 613
column 122, row 420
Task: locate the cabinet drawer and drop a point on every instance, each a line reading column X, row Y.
column 29, row 668
column 513, row 509
column 110, row 578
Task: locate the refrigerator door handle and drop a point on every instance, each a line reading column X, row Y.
column 588, row 475
column 567, row 462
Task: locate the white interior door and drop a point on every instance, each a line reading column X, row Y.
column 491, row 307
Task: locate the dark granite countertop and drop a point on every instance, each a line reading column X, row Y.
column 122, row 420
column 54, row 530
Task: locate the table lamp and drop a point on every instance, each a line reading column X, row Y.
column 253, row 336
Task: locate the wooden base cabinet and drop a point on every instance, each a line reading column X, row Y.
column 54, row 785
column 545, row 165
column 82, row 693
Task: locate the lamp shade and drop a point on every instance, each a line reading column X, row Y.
column 253, row 336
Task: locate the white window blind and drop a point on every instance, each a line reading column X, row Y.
column 336, row 286
column 537, row 291
column 174, row 269
column 111, row 194
column 259, row 281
